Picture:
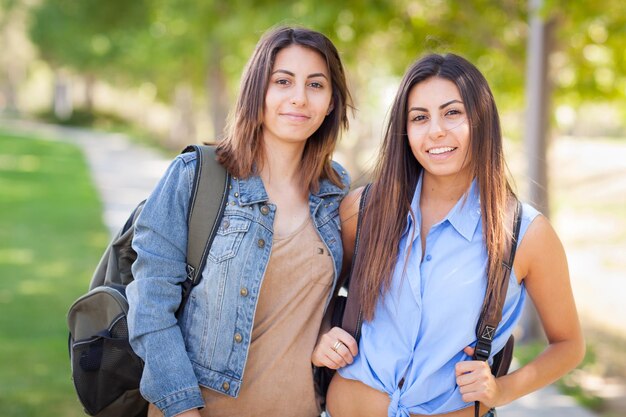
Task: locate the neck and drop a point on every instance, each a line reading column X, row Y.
column 447, row 189
column 281, row 166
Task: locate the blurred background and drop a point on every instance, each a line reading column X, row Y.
column 159, row 74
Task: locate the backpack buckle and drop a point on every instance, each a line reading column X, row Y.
column 190, row 272
column 482, row 350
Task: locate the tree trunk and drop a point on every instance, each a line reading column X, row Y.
column 90, row 82
column 217, row 92
column 183, row 129
column 538, row 91
column 62, row 101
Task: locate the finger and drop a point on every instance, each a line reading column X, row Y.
column 336, row 359
column 469, row 351
column 345, row 353
column 345, row 338
column 477, row 376
column 464, row 367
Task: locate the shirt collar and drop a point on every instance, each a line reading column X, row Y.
column 415, row 207
column 464, row 216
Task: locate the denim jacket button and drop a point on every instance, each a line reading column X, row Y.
column 238, row 338
column 226, row 386
column 225, row 224
column 261, row 243
column 243, row 292
column 265, row 210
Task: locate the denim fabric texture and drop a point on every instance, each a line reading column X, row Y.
column 208, row 344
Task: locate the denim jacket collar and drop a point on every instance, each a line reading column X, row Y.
column 251, row 190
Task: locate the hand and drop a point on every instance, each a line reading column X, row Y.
column 476, row 381
column 335, row 349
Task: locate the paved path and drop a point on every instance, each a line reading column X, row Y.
column 125, row 173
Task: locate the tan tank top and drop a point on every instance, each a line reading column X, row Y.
column 278, row 379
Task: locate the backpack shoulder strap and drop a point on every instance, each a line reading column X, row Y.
column 353, row 314
column 206, row 208
column 491, row 313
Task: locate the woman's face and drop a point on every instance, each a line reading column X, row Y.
column 438, row 128
column 299, row 96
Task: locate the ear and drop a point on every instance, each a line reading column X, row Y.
column 331, row 107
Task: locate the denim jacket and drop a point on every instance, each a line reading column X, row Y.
column 208, row 344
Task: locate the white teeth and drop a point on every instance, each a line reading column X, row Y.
column 437, row 151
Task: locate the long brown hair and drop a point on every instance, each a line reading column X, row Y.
column 241, row 151
column 397, row 172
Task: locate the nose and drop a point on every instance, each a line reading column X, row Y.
column 436, row 128
column 299, row 97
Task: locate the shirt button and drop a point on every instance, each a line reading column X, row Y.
column 243, row 292
column 261, row 243
column 265, row 210
column 428, row 257
column 225, row 224
column 226, row 386
column 238, row 338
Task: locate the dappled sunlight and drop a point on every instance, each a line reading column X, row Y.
column 16, row 256
column 59, row 268
column 22, row 163
column 35, row 287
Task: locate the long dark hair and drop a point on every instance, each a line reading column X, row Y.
column 397, row 172
column 241, row 151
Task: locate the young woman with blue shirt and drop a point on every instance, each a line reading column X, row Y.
column 243, row 344
column 432, row 241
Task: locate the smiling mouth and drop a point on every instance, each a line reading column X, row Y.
column 296, row 116
column 439, row 151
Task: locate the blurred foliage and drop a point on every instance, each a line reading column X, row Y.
column 168, row 41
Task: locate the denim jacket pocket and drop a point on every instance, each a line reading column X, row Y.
column 228, row 238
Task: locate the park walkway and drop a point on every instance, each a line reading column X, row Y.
column 124, row 174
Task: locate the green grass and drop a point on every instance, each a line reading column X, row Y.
column 51, row 237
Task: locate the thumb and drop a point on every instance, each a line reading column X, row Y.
column 469, row 351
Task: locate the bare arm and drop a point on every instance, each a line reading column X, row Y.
column 541, row 261
column 190, row 413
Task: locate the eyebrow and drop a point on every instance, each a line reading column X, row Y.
column 315, row 74
column 444, row 105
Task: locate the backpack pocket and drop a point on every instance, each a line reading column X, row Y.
column 105, row 369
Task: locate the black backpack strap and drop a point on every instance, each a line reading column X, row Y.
column 206, row 209
column 491, row 313
column 353, row 314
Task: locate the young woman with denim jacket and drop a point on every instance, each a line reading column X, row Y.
column 431, row 244
column 243, row 344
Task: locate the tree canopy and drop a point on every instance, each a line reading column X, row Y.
column 168, row 41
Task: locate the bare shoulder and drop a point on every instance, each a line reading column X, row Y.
column 349, row 208
column 349, row 215
column 539, row 247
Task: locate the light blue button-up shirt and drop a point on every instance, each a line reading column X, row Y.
column 429, row 315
